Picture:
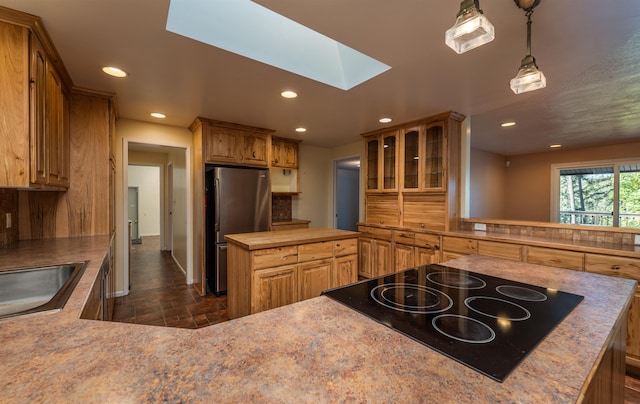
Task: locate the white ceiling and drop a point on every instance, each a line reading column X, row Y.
column 589, row 51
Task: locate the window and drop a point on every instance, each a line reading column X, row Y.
column 596, row 193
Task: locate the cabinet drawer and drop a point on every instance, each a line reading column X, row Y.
column 381, row 234
column 612, row 266
column 555, row 258
column 459, row 245
column 345, row 247
column 428, row 241
column 500, row 250
column 365, row 231
column 404, row 237
column 314, row 251
column 273, row 257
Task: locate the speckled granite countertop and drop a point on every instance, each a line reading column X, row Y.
column 313, row 351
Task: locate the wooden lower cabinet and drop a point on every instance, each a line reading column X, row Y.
column 314, row 277
column 265, row 278
column 404, row 257
column 274, row 287
column 555, row 258
column 629, row 268
column 345, row 270
column 500, row 250
column 375, row 257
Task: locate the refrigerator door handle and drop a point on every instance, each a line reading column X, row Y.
column 216, row 188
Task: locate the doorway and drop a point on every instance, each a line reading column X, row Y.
column 133, row 213
column 347, row 193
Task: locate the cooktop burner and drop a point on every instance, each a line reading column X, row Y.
column 489, row 324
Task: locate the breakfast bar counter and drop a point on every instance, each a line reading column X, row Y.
column 317, row 350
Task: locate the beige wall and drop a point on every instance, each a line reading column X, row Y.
column 315, row 186
column 528, row 179
column 488, row 182
column 179, row 207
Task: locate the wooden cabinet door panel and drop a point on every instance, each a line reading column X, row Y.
column 274, row 288
column 403, row 257
column 38, row 113
column 221, row 144
column 314, row 277
column 365, row 258
column 425, row 256
column 633, row 331
column 425, row 211
column 382, row 209
column 555, row 258
column 383, row 260
column 254, row 149
column 345, row 270
column 14, row 106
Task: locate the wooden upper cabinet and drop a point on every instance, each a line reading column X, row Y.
column 221, row 144
column 35, row 127
column 255, row 148
column 382, row 162
column 424, row 158
column 284, row 153
column 229, row 143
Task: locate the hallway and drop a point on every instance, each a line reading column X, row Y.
column 159, row 295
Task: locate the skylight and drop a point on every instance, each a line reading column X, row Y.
column 253, row 31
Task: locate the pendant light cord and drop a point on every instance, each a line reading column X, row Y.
column 528, row 14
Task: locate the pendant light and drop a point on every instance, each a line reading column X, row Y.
column 471, row 29
column 529, row 78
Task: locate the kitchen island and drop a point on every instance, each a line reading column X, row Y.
column 313, row 351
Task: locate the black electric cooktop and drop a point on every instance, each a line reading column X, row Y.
column 486, row 323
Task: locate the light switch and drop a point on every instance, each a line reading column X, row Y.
column 479, row 227
column 637, row 239
column 8, row 220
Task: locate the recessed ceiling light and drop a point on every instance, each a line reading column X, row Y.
column 158, row 115
column 114, row 71
column 384, row 120
column 507, row 124
column 555, row 146
column 289, row 94
column 301, row 130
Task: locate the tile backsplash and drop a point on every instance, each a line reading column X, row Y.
column 8, row 205
column 281, row 207
column 559, row 233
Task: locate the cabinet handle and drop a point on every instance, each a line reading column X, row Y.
column 337, row 245
column 382, row 222
column 253, row 154
column 615, row 267
column 422, row 225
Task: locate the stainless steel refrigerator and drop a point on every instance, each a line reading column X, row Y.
column 238, row 201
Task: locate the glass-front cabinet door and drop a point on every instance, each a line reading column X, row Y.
column 411, row 180
column 372, row 163
column 382, row 162
column 389, row 162
column 433, row 161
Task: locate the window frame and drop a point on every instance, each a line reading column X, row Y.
column 554, row 215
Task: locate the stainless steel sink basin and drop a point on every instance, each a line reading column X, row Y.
column 32, row 290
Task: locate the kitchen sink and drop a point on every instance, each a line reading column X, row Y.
column 32, row 290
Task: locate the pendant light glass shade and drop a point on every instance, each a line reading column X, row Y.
column 529, row 78
column 471, row 29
